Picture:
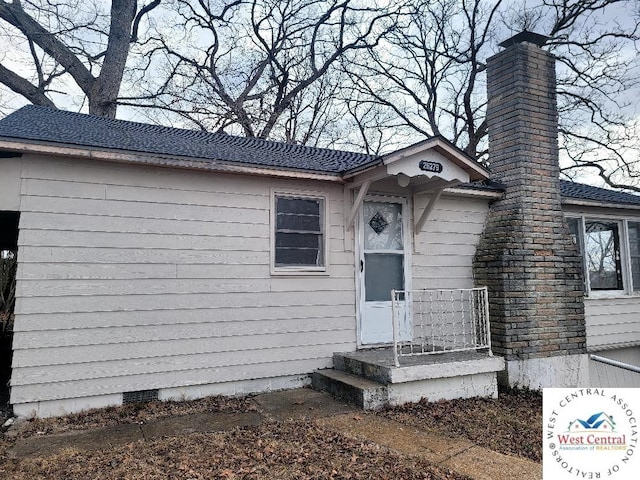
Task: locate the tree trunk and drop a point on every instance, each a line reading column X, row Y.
column 103, row 96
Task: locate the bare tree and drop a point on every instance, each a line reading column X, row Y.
column 65, row 39
column 429, row 74
column 372, row 127
column 340, row 73
column 596, row 44
column 262, row 68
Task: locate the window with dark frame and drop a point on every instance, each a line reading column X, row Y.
column 299, row 231
column 602, row 248
column 608, row 247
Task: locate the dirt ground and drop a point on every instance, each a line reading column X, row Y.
column 302, row 449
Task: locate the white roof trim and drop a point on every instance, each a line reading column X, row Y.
column 451, row 163
column 430, row 164
column 473, row 168
column 595, row 203
column 161, row 160
column 471, row 192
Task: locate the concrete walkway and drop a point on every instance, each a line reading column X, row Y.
column 456, row 454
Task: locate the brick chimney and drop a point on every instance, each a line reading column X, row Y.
column 525, row 255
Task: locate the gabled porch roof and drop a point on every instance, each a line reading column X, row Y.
column 431, row 165
column 432, row 158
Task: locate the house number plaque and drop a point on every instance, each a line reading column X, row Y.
column 427, row 166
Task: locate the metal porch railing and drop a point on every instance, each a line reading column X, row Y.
column 443, row 320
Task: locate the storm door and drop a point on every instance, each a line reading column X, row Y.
column 383, row 267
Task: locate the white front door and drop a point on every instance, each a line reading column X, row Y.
column 383, row 267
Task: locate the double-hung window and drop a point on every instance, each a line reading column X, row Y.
column 610, row 251
column 299, row 233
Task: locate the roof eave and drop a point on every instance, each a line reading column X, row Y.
column 581, row 202
column 170, row 161
column 352, row 172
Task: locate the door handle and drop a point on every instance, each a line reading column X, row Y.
column 361, row 266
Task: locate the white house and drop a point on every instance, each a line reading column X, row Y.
column 163, row 262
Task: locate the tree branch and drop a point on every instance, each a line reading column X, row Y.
column 23, row 87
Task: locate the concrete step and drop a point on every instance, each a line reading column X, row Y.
column 351, row 388
column 363, row 367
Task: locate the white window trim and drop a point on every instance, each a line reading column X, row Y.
column 299, row 270
column 625, row 260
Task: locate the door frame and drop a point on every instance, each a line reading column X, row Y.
column 407, row 236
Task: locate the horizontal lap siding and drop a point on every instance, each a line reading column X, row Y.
column 444, row 250
column 612, row 322
column 171, row 379
column 604, row 375
column 138, row 278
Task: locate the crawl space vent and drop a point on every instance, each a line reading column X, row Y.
column 140, row 396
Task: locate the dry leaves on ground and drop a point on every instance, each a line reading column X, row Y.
column 285, row 450
column 134, row 413
column 510, row 424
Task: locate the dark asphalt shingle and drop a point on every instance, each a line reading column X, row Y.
column 580, row 191
column 47, row 125
column 59, row 127
column 571, row 190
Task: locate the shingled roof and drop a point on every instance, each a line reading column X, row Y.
column 50, row 126
column 580, row 191
column 43, row 125
column 573, row 191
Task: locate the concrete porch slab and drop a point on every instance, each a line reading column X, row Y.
column 378, row 365
column 370, row 379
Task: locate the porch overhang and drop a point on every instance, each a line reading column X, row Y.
column 429, row 166
column 435, row 158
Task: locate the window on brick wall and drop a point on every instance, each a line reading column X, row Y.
column 610, row 251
